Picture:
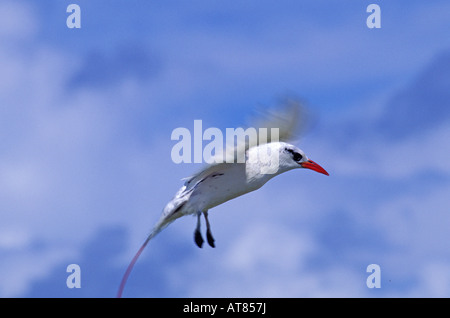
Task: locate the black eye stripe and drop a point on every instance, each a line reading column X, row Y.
column 295, row 155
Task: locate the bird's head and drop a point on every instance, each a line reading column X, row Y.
column 292, row 157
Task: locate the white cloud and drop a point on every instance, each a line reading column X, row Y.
column 435, row 280
column 396, row 159
column 18, row 21
column 263, row 246
column 60, row 154
column 417, row 221
column 264, row 261
column 20, row 269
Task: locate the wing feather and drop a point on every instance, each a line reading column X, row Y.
column 288, row 117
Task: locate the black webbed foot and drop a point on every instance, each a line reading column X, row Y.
column 210, row 238
column 198, row 238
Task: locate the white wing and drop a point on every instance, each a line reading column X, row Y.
column 288, row 117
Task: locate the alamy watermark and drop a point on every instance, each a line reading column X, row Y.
column 374, row 279
column 226, row 148
column 74, row 278
column 73, row 21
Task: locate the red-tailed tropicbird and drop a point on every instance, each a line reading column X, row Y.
column 223, row 181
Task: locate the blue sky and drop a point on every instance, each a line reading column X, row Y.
column 85, row 170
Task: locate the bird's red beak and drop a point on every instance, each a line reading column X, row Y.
column 314, row 166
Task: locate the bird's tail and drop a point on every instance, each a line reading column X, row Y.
column 164, row 222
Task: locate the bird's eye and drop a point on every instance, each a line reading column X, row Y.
column 297, row 156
